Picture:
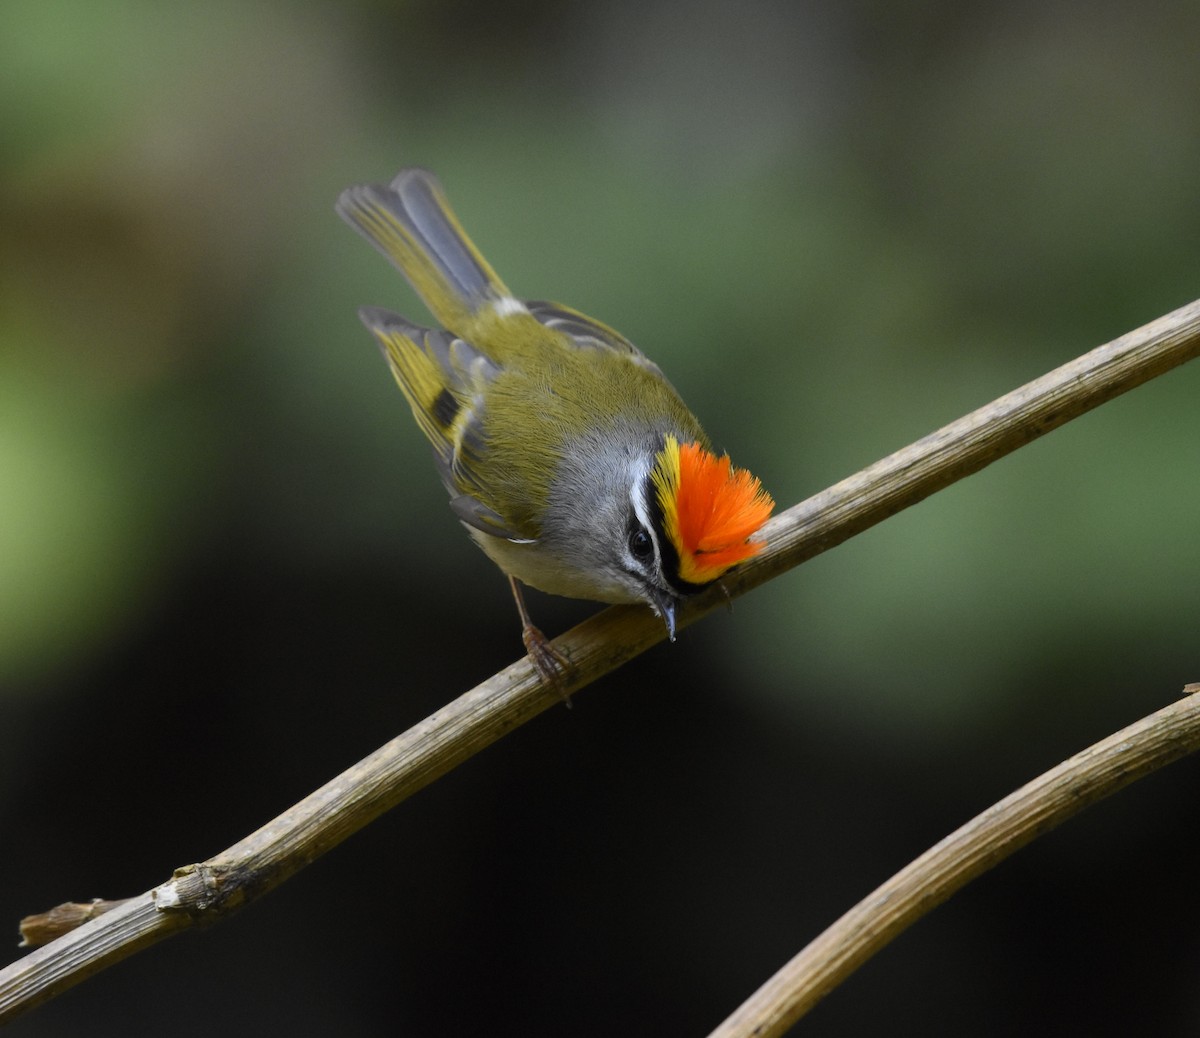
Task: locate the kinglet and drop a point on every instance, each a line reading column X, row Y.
column 568, row 456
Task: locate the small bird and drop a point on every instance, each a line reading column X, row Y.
column 568, row 456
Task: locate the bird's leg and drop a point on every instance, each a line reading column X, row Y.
column 548, row 662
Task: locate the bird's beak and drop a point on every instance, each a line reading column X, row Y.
column 664, row 604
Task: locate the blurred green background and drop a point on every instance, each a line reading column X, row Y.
column 227, row 570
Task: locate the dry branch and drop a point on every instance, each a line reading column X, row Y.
column 968, row 852
column 255, row 865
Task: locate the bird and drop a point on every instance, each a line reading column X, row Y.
column 568, row 456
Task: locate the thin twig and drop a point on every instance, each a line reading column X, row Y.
column 965, row 854
column 976, row 440
column 247, row 870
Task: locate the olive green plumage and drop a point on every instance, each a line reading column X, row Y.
column 544, row 422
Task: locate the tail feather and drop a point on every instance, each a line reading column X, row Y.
column 411, row 223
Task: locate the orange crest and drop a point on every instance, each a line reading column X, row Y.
column 709, row 509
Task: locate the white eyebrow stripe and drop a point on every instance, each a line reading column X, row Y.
column 637, row 491
column 639, row 487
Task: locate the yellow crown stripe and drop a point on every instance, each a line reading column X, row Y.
column 709, row 509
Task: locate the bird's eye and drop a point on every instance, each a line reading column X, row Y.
column 641, row 544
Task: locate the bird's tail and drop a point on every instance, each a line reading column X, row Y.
column 411, row 223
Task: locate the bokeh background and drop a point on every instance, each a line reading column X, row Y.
column 227, row 570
